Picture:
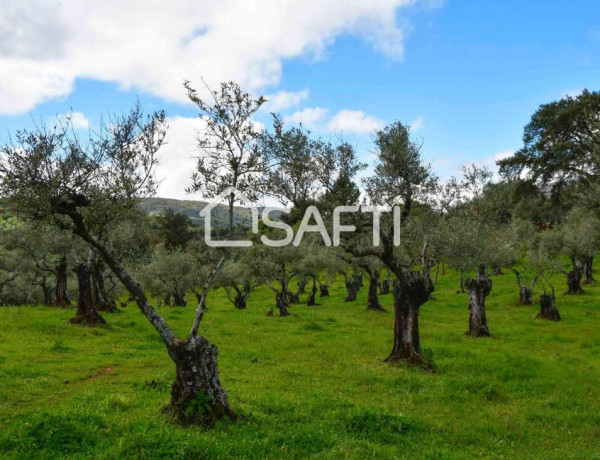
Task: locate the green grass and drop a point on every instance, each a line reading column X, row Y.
column 311, row 385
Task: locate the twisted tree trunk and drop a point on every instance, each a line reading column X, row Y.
column 324, row 290
column 87, row 313
column 574, row 282
column 197, row 396
column 478, row 288
column 372, row 298
column 548, row 309
column 351, row 290
column 281, row 303
column 586, row 264
column 240, row 300
column 311, row 300
column 526, row 295
column 301, row 286
column 178, row 298
column 61, row 291
column 411, row 291
column 385, row 286
column 101, row 299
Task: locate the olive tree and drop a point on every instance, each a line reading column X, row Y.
column 402, row 178
column 85, row 186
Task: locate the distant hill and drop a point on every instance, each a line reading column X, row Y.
column 241, row 215
column 190, row 208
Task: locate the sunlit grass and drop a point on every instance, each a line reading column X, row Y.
column 312, row 384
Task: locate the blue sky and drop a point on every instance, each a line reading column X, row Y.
column 467, row 75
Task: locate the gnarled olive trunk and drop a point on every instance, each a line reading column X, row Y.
column 351, row 290
column 102, row 300
column 311, row 300
column 87, row 313
column 478, row 288
column 240, row 301
column 372, row 298
column 179, row 299
column 197, row 396
column 46, row 290
column 324, row 290
column 526, row 295
column 586, row 264
column 548, row 308
column 301, row 286
column 409, row 294
column 574, row 282
column 385, row 286
column 61, row 290
column 293, row 298
column 281, row 303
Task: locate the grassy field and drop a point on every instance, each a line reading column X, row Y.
column 311, row 385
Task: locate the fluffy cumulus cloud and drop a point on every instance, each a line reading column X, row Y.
column 177, row 157
column 153, row 45
column 354, row 121
column 309, row 117
column 284, row 100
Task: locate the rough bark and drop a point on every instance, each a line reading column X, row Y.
column 240, row 300
column 548, row 308
column 478, row 288
column 197, row 396
column 301, row 286
column 311, row 300
column 100, row 297
column 61, row 290
column 385, row 286
column 203, row 379
column 87, row 313
column 411, row 291
column 281, row 303
column 179, row 299
column 526, row 295
column 574, row 282
column 324, row 290
column 372, row 298
column 586, row 264
column 351, row 290
column 293, row 298
column 46, row 291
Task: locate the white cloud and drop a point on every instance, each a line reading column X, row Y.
column 354, row 121
column 78, row 120
column 153, row 45
column 418, row 124
column 490, row 161
column 177, row 158
column 447, row 166
column 283, row 100
column 309, row 117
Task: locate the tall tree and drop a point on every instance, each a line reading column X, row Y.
column 470, row 241
column 561, row 144
column 400, row 171
column 229, row 144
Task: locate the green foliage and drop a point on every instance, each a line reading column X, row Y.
column 174, row 229
column 560, row 144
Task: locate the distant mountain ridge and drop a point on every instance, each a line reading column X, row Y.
column 191, row 208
